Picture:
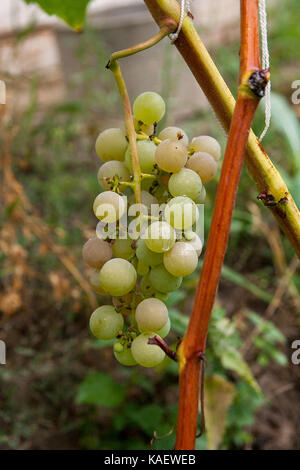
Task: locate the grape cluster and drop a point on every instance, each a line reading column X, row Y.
column 141, row 263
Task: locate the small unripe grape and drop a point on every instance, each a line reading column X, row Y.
column 147, row 355
column 149, row 107
column 160, row 237
column 151, row 314
column 204, row 165
column 205, row 143
column 147, row 256
column 118, row 277
column 185, row 183
column 122, row 248
column 195, row 241
column 181, row 212
column 118, row 347
column 96, row 252
column 95, row 282
column 146, row 153
column 111, row 144
column 112, row 169
column 171, row 156
column 109, row 206
column 163, row 281
column 105, row 322
column 174, row 133
column 125, row 357
column 181, row 260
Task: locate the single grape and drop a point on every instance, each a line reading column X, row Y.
column 195, row 241
column 147, row 256
column 122, row 248
column 163, row 281
column 111, row 144
column 181, row 212
column 149, row 107
column 163, row 332
column 105, row 322
column 95, row 282
column 96, row 252
column 147, row 355
column 201, row 197
column 118, row 347
column 160, row 237
column 174, row 133
column 146, row 286
column 142, row 269
column 205, row 143
column 204, row 165
column 118, row 277
column 146, row 152
column 151, row 314
column 171, row 155
column 109, row 206
column 110, row 170
column 185, row 183
column 181, row 260
column 125, row 356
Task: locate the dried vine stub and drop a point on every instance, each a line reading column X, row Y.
column 142, row 251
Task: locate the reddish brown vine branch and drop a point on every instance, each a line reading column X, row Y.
column 251, row 85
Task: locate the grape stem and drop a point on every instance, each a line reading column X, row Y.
column 167, row 26
column 264, row 173
column 163, row 345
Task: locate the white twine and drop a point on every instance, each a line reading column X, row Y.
column 265, row 59
column 184, row 4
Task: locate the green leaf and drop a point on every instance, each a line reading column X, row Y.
column 233, row 360
column 71, row 11
column 100, row 389
column 219, row 395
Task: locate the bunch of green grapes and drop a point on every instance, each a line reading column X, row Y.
column 140, row 270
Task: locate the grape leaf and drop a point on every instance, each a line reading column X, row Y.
column 100, row 389
column 71, row 11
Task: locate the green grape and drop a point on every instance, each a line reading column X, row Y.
column 161, row 296
column 105, row 322
column 163, row 281
column 147, row 200
column 205, row 143
column 204, row 165
column 142, row 269
column 146, row 286
column 140, row 127
column 122, row 248
column 201, row 197
column 118, row 347
column 171, row 156
column 96, row 252
column 151, row 314
column 195, row 241
column 185, row 183
column 165, row 330
column 160, row 237
column 181, row 260
column 147, row 256
column 109, row 206
column 147, row 355
column 174, row 133
column 125, row 356
column 95, row 282
column 146, row 152
column 110, row 170
column 181, row 212
column 111, row 144
column 149, row 107
column 117, row 277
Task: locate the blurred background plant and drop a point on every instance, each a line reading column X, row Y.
column 61, row 388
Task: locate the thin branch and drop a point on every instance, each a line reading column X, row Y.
column 163, row 345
